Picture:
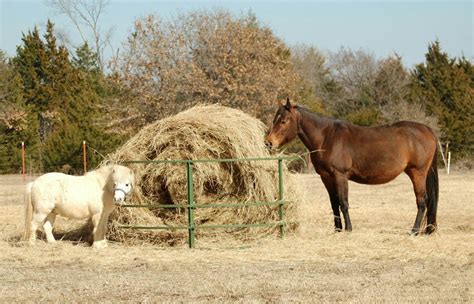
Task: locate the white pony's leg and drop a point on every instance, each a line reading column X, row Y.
column 98, row 234
column 95, row 223
column 100, row 240
column 33, row 228
column 48, row 227
column 100, row 244
column 36, row 220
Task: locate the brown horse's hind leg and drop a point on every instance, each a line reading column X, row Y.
column 419, row 186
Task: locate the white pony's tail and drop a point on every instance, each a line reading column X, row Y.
column 28, row 211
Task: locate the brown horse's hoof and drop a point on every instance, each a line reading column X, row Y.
column 430, row 229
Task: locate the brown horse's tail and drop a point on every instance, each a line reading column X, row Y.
column 432, row 192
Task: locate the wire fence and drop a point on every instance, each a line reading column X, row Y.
column 24, row 163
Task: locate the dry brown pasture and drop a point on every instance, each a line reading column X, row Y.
column 377, row 262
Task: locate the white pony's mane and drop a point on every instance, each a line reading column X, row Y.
column 101, row 174
column 102, row 170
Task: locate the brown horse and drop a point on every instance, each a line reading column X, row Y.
column 341, row 151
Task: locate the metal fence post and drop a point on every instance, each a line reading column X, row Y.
column 280, row 197
column 23, row 163
column 84, row 157
column 189, row 174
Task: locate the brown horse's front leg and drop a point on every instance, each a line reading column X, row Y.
column 342, row 190
column 335, row 211
column 328, row 182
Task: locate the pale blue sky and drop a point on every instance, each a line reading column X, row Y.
column 381, row 27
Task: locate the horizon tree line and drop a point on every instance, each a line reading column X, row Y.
column 53, row 97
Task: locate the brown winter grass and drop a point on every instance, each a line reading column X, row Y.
column 377, row 262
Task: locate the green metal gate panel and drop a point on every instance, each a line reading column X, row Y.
column 191, row 206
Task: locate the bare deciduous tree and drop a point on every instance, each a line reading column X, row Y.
column 205, row 57
column 392, row 89
column 368, row 90
column 311, row 66
column 354, row 73
column 391, row 81
column 85, row 16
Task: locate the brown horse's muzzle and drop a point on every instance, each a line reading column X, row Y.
column 270, row 142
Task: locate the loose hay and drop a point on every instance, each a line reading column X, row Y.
column 202, row 132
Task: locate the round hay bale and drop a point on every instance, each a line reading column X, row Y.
column 202, row 132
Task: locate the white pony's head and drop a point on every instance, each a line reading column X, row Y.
column 122, row 181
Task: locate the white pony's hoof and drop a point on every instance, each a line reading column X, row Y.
column 100, row 244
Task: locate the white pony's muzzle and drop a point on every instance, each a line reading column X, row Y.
column 119, row 195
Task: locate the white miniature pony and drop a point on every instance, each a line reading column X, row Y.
column 93, row 195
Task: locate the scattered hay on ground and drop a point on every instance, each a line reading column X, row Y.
column 202, row 132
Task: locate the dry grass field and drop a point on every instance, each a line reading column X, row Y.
column 377, row 262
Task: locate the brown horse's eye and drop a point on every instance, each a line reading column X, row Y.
column 283, row 122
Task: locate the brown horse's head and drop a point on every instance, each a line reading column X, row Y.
column 285, row 126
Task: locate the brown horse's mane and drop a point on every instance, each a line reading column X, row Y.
column 321, row 118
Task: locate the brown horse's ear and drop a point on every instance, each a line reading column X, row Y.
column 288, row 104
column 279, row 103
